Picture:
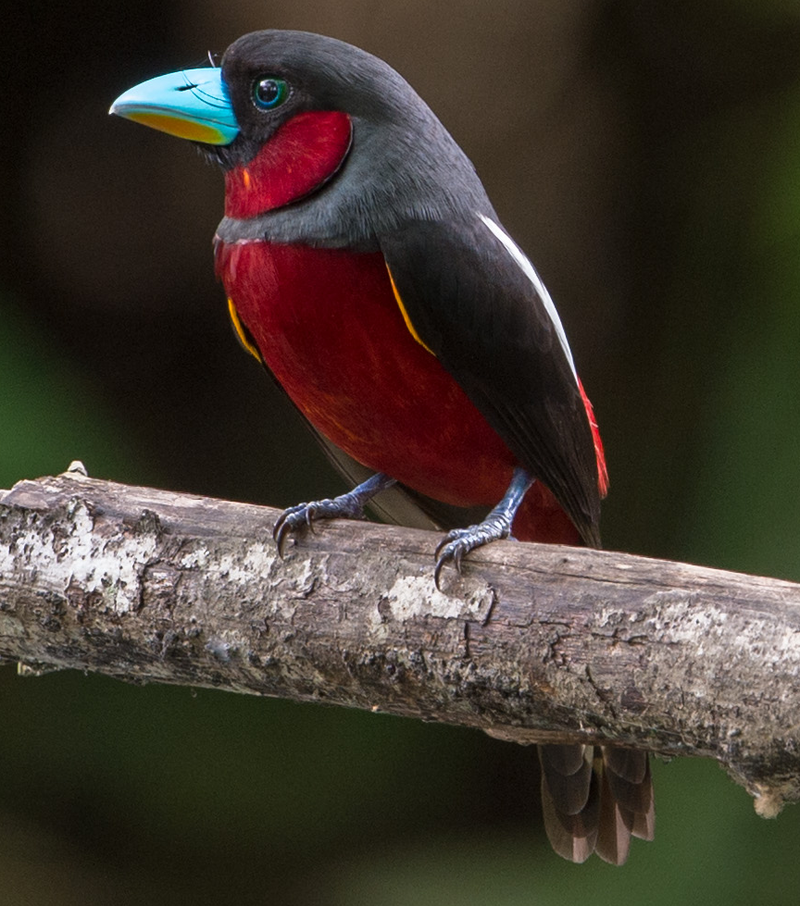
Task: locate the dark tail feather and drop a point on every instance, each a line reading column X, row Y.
column 572, row 835
column 595, row 799
column 614, row 835
column 570, row 800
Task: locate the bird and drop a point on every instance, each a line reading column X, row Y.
column 365, row 267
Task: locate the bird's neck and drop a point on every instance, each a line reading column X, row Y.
column 302, row 155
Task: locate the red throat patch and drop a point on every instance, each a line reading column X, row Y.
column 300, row 157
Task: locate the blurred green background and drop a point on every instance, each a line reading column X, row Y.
column 647, row 156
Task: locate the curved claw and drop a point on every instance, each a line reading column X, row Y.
column 292, row 520
column 437, row 574
column 453, row 547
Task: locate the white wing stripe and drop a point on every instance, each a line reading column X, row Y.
column 530, row 272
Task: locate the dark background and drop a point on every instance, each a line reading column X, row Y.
column 647, row 156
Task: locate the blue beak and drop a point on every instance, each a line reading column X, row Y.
column 192, row 103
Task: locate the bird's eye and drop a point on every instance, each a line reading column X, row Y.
column 269, row 92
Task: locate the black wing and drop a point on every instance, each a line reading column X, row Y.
column 472, row 304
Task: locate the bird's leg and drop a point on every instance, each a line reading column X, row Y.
column 346, row 506
column 459, row 542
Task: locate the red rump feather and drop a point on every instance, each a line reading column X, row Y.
column 602, row 471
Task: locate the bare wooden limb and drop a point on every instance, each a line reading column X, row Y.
column 533, row 643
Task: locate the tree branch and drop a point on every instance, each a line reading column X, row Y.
column 533, row 643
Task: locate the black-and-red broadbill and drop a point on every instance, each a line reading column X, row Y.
column 365, row 266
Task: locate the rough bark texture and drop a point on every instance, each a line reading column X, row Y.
column 533, row 643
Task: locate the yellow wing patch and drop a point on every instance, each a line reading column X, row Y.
column 242, row 334
column 404, row 313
